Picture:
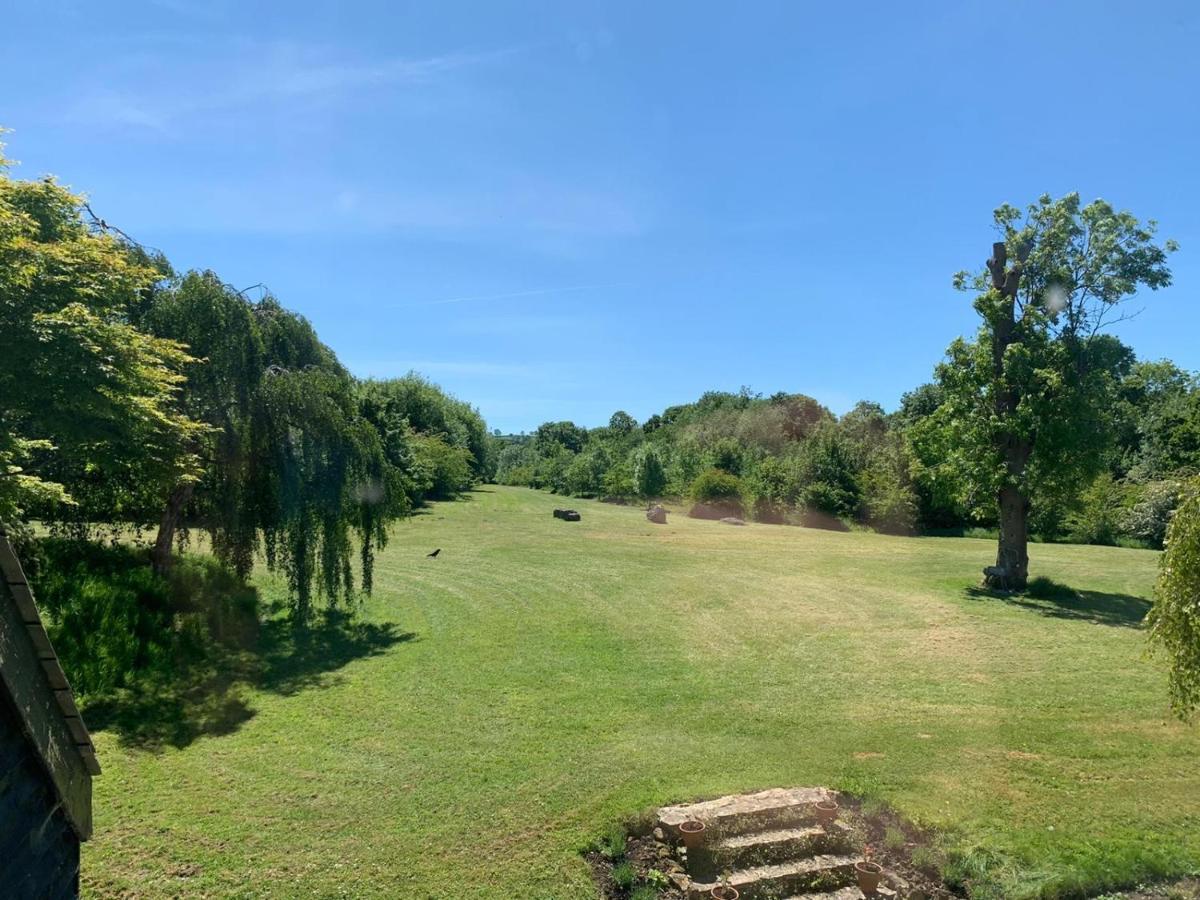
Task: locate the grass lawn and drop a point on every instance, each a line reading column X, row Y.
column 541, row 679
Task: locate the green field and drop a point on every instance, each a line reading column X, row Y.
column 542, row 679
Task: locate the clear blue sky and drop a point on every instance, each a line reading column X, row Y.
column 561, row 209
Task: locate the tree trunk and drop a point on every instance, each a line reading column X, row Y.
column 1011, row 571
column 160, row 556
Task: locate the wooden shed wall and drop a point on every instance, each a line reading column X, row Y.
column 39, row 850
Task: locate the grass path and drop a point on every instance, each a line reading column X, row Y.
column 564, row 675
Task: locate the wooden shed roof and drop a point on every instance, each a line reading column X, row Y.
column 33, row 678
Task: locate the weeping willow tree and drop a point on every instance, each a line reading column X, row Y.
column 1175, row 617
column 290, row 467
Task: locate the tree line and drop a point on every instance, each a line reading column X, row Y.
column 131, row 394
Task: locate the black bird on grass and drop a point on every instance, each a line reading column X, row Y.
column 433, row 554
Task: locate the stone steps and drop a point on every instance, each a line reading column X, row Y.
column 814, row 873
column 760, row 848
column 771, row 846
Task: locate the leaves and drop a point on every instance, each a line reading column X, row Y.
column 1175, row 617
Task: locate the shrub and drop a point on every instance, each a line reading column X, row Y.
column 715, row 486
column 727, row 455
column 584, row 475
column 444, row 471
column 623, row 875
column 1147, row 518
column 1095, row 520
column 612, row 842
column 618, row 482
column 1175, row 617
column 657, row 879
column 649, row 475
column 827, row 473
column 644, row 892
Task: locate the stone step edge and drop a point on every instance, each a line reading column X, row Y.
column 780, row 836
column 846, row 893
column 735, row 814
column 748, row 878
column 773, row 800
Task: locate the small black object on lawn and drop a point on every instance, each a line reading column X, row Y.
column 567, row 515
column 434, row 553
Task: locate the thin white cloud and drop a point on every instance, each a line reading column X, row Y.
column 537, row 292
column 255, row 75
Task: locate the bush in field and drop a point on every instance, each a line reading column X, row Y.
column 826, row 471
column 649, row 475
column 728, row 455
column 1096, row 517
column 1175, row 617
column 889, row 503
column 773, row 489
column 618, row 483
column 441, row 470
column 716, row 486
column 1147, row 518
column 584, row 476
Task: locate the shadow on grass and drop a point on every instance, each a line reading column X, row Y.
column 209, row 700
column 1049, row 598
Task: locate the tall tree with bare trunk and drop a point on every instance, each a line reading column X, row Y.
column 1023, row 416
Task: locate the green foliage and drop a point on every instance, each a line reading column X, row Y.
column 584, row 475
column 826, row 469
column 612, row 843
column 645, row 892
column 622, row 423
column 649, row 475
column 296, row 466
column 1174, row 619
column 657, row 880
column 88, row 420
column 553, row 437
column 440, row 470
column 716, row 486
column 1150, row 511
column 890, row 503
column 113, row 622
column 426, row 409
column 1097, row 515
column 623, row 875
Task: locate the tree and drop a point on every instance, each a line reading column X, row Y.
column 649, row 475
column 1174, row 619
column 551, row 437
column 622, row 423
column 1023, row 414
column 89, row 423
column 291, row 465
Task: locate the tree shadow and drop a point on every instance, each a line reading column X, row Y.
column 1059, row 601
column 208, row 700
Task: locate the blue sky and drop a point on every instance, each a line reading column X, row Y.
column 560, row 209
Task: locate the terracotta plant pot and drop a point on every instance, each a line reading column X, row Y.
column 869, row 874
column 693, row 833
column 827, row 812
column 725, row 893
